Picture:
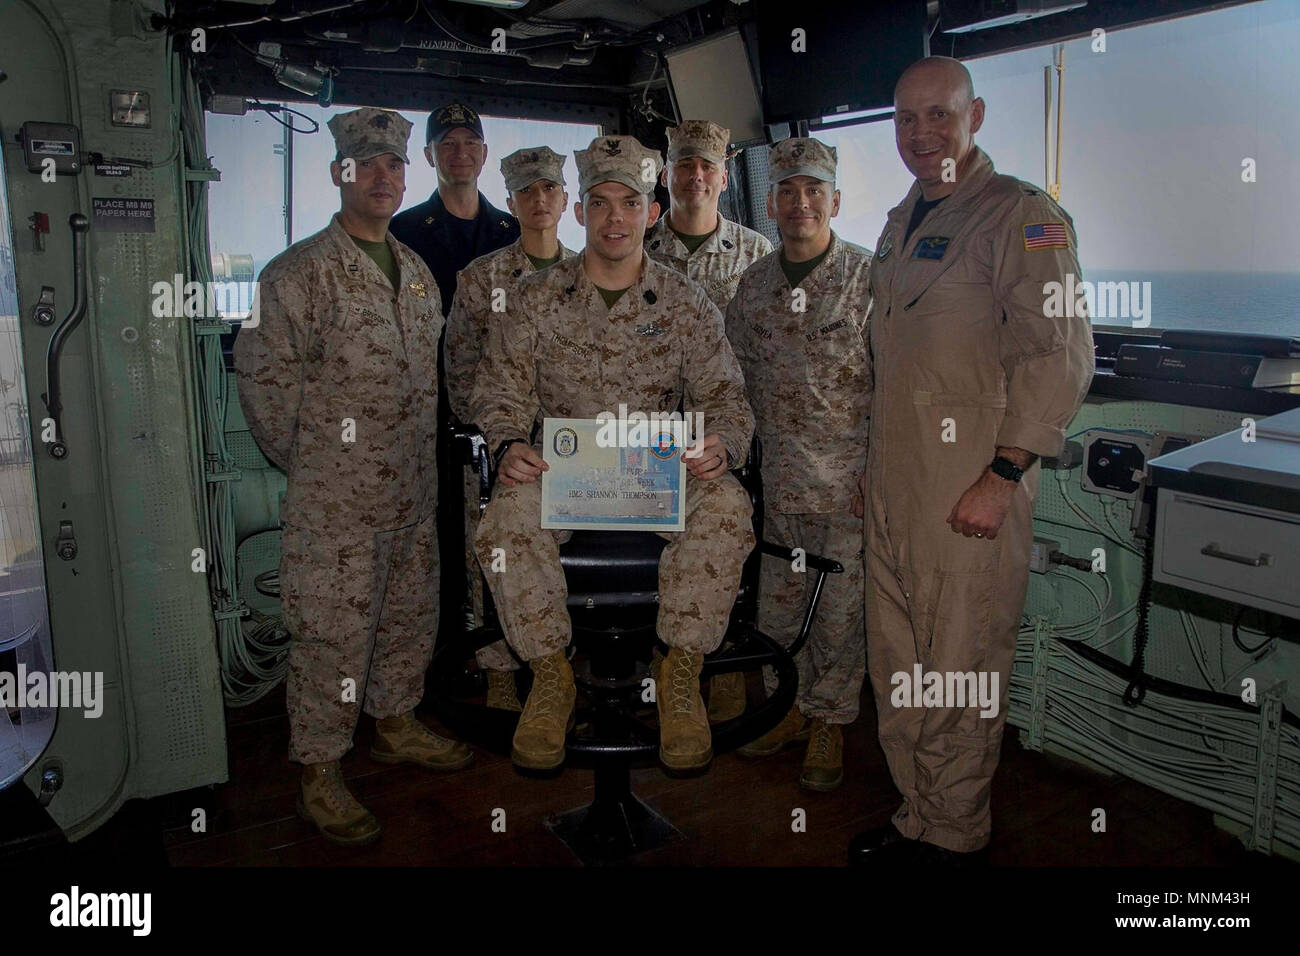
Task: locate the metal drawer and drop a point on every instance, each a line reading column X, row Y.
column 1237, row 552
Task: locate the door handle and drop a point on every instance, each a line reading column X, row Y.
column 53, row 396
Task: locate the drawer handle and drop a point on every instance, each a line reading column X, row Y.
column 1211, row 550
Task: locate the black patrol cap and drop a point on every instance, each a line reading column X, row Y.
column 444, row 120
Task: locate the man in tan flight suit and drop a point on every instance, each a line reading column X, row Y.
column 339, row 384
column 798, row 327
column 698, row 242
column 535, row 182
column 611, row 327
column 975, row 380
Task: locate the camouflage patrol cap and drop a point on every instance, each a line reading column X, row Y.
column 525, row 166
column 698, row 138
column 801, row 156
column 369, row 132
column 618, row 159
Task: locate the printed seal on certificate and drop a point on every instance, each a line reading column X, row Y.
column 604, row 480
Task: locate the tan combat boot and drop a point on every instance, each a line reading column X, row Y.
column 792, row 729
column 726, row 696
column 685, row 742
column 547, row 716
column 404, row 739
column 501, row 691
column 325, row 801
column 823, row 765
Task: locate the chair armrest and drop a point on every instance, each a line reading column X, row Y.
column 814, row 561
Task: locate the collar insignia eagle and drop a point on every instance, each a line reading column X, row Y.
column 419, row 289
column 650, row 330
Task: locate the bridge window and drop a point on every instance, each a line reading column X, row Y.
column 1162, row 134
column 247, row 208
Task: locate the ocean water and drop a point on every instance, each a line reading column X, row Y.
column 1258, row 302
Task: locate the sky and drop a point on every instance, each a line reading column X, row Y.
column 1155, row 132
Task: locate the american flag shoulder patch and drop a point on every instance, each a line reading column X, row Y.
column 1046, row 235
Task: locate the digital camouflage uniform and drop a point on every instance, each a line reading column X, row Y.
column 809, row 381
column 467, row 324
column 339, row 384
column 960, row 341
column 562, row 353
column 719, row 262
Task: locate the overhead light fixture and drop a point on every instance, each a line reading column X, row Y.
column 315, row 81
column 966, row 16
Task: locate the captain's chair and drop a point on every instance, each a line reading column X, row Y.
column 613, row 582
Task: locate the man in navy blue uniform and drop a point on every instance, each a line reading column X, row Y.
column 448, row 231
column 457, row 224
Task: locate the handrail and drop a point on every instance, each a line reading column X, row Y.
column 53, row 396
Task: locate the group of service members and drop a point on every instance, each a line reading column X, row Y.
column 938, row 341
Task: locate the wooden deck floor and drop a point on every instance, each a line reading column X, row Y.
column 739, row 814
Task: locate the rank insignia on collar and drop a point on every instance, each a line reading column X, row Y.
column 885, row 248
column 649, row 330
column 353, row 268
column 428, row 221
column 419, row 289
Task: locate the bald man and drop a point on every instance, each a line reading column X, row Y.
column 974, row 382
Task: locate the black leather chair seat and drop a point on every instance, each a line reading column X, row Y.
column 605, row 568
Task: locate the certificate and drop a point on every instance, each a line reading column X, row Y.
column 605, row 480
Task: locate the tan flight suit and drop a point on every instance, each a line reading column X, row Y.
column 339, row 383
column 467, row 325
column 959, row 340
column 809, row 381
column 560, row 352
column 718, row 262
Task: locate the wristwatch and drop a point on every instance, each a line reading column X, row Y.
column 501, row 450
column 1005, row 468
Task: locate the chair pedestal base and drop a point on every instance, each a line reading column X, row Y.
column 615, row 825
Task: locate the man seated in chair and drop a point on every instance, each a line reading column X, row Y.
column 606, row 328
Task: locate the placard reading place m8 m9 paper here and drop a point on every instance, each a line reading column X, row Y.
column 606, row 478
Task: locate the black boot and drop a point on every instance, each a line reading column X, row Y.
column 975, row 858
column 884, row 845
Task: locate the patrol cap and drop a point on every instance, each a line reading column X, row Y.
column 525, row 166
column 698, row 138
column 443, row 121
column 618, row 159
column 369, row 132
column 801, row 156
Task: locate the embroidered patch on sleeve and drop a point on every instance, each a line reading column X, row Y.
column 1046, row 235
